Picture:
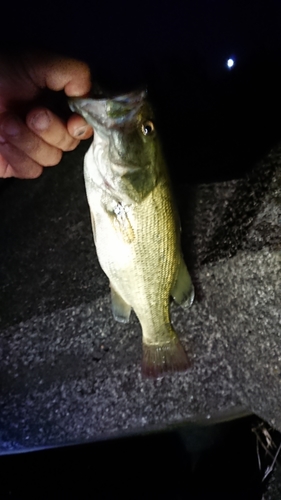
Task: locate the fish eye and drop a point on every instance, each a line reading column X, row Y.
column 147, row 127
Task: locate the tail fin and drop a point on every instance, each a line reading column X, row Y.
column 166, row 358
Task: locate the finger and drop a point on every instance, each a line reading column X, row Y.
column 78, row 127
column 16, row 133
column 51, row 129
column 59, row 73
column 14, row 163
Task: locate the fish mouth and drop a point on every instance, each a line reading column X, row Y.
column 106, row 113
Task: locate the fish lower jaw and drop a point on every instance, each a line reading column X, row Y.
column 159, row 359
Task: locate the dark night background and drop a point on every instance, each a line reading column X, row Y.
column 216, row 124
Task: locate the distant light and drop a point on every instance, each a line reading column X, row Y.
column 230, row 63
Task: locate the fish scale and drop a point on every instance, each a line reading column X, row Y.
column 135, row 224
column 154, row 264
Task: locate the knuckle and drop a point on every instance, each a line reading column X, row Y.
column 35, row 173
column 31, row 147
column 72, row 145
column 67, row 143
column 10, row 125
column 52, row 159
column 85, row 70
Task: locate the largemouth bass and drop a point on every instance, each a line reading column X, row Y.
column 135, row 224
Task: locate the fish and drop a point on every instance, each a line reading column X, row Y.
column 135, row 223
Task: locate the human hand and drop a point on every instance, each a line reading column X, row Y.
column 32, row 136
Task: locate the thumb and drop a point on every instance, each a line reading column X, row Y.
column 59, row 73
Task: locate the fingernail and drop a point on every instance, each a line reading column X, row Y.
column 41, row 120
column 80, row 131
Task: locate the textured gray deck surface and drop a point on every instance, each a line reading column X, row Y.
column 69, row 373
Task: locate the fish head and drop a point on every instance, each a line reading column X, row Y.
column 131, row 161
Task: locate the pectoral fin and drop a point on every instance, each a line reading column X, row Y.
column 183, row 290
column 120, row 309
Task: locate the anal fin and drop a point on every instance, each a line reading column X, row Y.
column 120, row 309
column 183, row 290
